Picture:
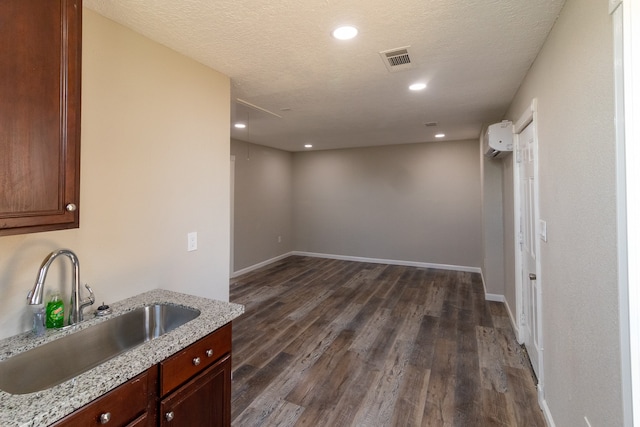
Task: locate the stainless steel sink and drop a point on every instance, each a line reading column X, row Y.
column 55, row 362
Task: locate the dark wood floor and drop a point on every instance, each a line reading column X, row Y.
column 337, row 343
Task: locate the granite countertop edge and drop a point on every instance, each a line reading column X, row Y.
column 48, row 406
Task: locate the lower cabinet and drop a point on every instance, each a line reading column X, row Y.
column 192, row 388
column 203, row 401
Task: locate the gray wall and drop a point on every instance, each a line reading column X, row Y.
column 263, row 206
column 492, row 224
column 508, row 234
column 573, row 81
column 417, row 202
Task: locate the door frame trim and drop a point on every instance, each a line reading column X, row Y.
column 232, row 213
column 626, row 39
column 529, row 116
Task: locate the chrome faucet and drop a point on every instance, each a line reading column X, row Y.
column 77, row 304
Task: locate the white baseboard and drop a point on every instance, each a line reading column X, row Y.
column 495, row 297
column 484, row 285
column 514, row 324
column 488, row 297
column 545, row 409
column 260, row 265
column 391, row 262
column 542, row 402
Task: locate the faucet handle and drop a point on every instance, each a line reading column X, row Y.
column 91, row 298
column 82, row 304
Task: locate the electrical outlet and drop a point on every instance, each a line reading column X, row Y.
column 192, row 241
column 279, row 239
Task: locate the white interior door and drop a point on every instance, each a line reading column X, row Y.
column 526, row 146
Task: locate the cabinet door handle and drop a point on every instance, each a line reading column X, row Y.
column 209, row 353
column 71, row 207
column 105, row 418
column 196, row 361
column 169, row 416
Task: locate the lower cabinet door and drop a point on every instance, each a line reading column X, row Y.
column 204, row 401
column 142, row 421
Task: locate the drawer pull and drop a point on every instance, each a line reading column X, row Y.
column 196, row 361
column 169, row 416
column 105, row 418
column 209, row 353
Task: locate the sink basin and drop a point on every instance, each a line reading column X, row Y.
column 55, row 362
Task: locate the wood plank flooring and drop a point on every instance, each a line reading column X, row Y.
column 337, row 343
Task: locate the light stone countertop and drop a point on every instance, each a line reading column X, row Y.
column 45, row 407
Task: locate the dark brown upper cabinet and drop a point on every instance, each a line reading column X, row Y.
column 40, row 74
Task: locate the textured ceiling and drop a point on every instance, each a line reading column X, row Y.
column 473, row 54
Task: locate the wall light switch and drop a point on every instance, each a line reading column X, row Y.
column 192, row 241
column 543, row 230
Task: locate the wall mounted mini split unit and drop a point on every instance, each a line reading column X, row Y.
column 498, row 139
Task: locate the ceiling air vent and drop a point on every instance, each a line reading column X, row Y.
column 398, row 59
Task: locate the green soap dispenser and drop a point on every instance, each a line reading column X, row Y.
column 55, row 312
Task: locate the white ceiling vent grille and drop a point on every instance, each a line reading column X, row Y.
column 398, row 59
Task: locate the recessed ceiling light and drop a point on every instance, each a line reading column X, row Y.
column 308, row 146
column 345, row 33
column 240, row 125
column 439, row 135
column 418, row 86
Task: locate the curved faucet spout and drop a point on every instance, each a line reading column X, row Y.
column 35, row 295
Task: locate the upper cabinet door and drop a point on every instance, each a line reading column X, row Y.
column 40, row 73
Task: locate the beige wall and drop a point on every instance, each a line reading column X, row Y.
column 155, row 166
column 573, row 81
column 417, row 202
column 263, row 205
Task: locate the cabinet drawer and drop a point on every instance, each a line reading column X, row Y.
column 183, row 365
column 121, row 406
